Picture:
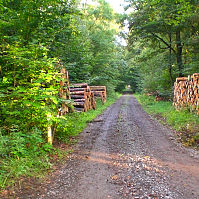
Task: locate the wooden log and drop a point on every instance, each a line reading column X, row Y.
column 196, row 74
column 79, row 100
column 97, row 94
column 79, row 109
column 78, row 93
column 181, row 79
column 79, row 103
column 78, row 97
column 186, row 92
column 76, row 89
column 82, row 96
column 98, row 87
column 64, row 92
column 81, row 85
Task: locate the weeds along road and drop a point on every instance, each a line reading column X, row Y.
column 125, row 154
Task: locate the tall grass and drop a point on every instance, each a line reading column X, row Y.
column 177, row 119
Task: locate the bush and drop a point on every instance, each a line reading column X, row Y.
column 20, row 145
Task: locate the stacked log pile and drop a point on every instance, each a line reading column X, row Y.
column 64, row 92
column 83, row 98
column 186, row 92
column 99, row 91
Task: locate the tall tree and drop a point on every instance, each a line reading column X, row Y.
column 162, row 25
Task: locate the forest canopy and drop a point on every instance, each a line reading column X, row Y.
column 163, row 42
column 39, row 36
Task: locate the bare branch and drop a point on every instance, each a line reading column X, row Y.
column 162, row 40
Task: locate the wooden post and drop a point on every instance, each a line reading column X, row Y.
column 49, row 131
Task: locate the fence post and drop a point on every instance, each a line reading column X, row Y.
column 49, row 130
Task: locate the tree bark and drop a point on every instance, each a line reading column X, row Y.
column 179, row 52
column 170, row 59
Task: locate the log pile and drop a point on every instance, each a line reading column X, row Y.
column 186, row 92
column 83, row 98
column 64, row 95
column 64, row 92
column 100, row 92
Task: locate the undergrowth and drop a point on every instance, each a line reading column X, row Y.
column 186, row 123
column 25, row 155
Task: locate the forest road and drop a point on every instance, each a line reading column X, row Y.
column 126, row 154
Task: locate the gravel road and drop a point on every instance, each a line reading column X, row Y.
column 125, row 154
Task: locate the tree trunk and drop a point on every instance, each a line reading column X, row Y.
column 179, row 52
column 170, row 59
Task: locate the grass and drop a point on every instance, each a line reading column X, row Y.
column 186, row 123
column 38, row 162
column 12, row 169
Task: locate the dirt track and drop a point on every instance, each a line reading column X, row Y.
column 125, row 154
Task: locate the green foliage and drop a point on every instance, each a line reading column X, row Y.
column 28, row 88
column 22, row 154
column 97, row 59
column 28, row 71
column 20, row 145
column 162, row 42
column 34, row 36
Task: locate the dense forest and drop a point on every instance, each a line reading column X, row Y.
column 37, row 38
column 162, row 42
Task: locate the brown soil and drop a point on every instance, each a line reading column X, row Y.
column 124, row 154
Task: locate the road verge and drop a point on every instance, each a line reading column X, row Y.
column 185, row 123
